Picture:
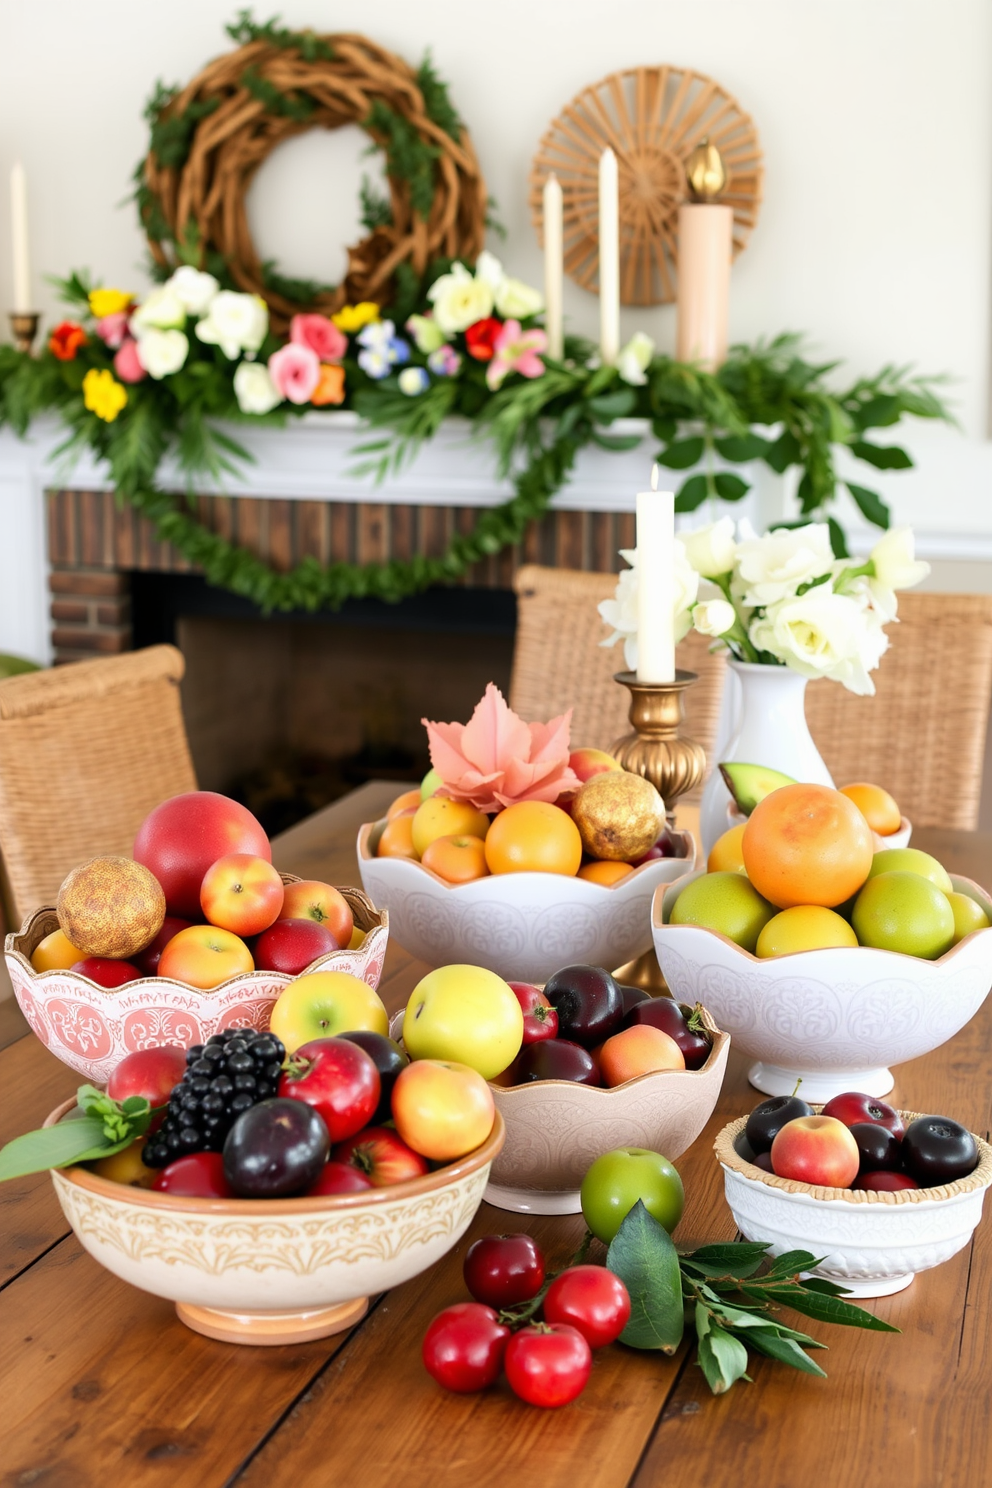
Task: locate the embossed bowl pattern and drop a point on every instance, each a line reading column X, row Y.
column 838, row 1018
column 871, row 1243
column 523, row 926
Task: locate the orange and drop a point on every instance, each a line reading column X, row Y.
column 456, row 859
column 533, row 837
column 408, row 801
column 55, row 953
column 725, row 854
column 601, row 872
column 807, row 844
column 397, row 838
column 876, row 806
column 439, row 816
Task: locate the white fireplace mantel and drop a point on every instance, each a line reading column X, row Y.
column 946, row 498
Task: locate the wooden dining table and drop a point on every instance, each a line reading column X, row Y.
column 101, row 1386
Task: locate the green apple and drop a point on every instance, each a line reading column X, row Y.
column 616, row 1181
column 911, row 860
column 429, row 784
column 324, row 1004
column 466, row 1014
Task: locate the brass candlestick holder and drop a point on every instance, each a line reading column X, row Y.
column 24, row 328
column 672, row 764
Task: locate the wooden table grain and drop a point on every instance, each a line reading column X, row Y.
column 102, row 1387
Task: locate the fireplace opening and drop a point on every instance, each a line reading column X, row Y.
column 287, row 712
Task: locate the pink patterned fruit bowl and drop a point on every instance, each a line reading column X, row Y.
column 91, row 1028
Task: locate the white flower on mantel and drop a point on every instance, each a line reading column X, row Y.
column 254, row 388
column 771, row 568
column 711, row 550
column 634, row 359
column 194, row 288
column 162, row 352
column 237, row 323
column 161, row 310
column 823, row 634
column 714, row 617
column 460, row 299
column 620, row 612
column 895, row 562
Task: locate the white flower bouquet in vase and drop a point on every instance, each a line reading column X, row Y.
column 787, row 610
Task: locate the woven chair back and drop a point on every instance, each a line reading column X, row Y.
column 922, row 736
column 86, row 751
column 559, row 663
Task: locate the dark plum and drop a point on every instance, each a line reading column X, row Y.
column 556, row 1059
column 632, row 996
column 884, row 1182
column 938, row 1150
column 588, row 1002
column 275, row 1149
column 880, row 1150
column 767, row 1120
column 388, row 1058
column 668, row 1016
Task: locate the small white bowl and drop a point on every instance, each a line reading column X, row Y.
column 871, row 1243
column 523, row 926
column 900, row 838
column 834, row 1018
column 272, row 1271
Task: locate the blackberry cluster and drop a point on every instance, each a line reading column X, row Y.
column 227, row 1075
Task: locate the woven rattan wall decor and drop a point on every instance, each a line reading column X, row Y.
column 209, row 138
column 652, row 118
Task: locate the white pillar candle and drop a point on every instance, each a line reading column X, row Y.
column 553, row 266
column 19, row 229
column 609, row 258
column 706, row 249
column 655, row 584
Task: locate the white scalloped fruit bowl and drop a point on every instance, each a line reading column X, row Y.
column 835, row 1018
column 91, row 1028
column 873, row 1244
column 272, row 1271
column 522, row 926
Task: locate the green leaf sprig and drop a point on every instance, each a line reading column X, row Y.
column 730, row 1300
column 96, row 1127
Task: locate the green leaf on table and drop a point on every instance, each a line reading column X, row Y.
column 786, row 1351
column 826, row 1309
column 692, row 493
column 790, row 1263
column 55, row 1147
column 730, row 487
column 682, row 453
column 869, row 504
column 643, row 1256
column 882, row 456
column 728, row 1255
column 721, row 1356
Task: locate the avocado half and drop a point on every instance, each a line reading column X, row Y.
column 749, row 784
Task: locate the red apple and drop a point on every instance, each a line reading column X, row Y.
column 380, row 1154
column 199, row 1175
column 540, row 1018
column 153, row 1073
column 854, row 1107
column 442, row 1109
column 339, row 1178
column 816, row 1149
column 338, row 1079
column 293, row 945
column 149, row 958
column 312, row 900
column 585, row 763
column 105, row 971
column 180, row 839
column 204, row 956
column 641, row 1050
column 241, row 893
column 883, row 1182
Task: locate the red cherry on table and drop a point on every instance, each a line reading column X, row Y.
column 105, row 971
column 502, row 1270
column 339, row 1178
column 379, row 1152
column 200, row 1175
column 540, row 1018
column 884, row 1182
column 547, row 1364
column 853, row 1106
column 464, row 1346
column 591, row 1299
column 338, row 1079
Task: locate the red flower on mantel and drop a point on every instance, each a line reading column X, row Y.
column 480, row 338
column 66, row 339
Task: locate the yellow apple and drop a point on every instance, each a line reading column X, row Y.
column 323, row 1004
column 55, row 953
column 439, row 817
column 467, row 1014
column 442, row 1109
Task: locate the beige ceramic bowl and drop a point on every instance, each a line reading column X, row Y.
column 555, row 1129
column 91, row 1028
column 270, row 1271
column 871, row 1243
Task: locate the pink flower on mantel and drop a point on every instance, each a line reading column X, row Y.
column 295, row 370
column 127, row 363
column 516, row 351
column 320, row 334
column 496, row 759
column 113, row 328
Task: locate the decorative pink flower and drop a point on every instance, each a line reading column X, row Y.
column 113, row 328
column 127, row 364
column 295, row 370
column 516, row 351
column 320, row 334
column 496, row 759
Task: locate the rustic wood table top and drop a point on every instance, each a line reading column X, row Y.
column 100, row 1384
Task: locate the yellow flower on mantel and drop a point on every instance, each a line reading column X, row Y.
column 105, row 302
column 103, row 394
column 351, row 318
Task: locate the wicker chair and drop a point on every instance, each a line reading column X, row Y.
column 922, row 735
column 86, row 751
column 559, row 663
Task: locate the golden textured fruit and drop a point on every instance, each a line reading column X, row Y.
column 620, row 816
column 111, row 907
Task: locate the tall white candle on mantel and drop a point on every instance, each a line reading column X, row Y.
column 655, row 584
column 19, row 229
column 609, row 258
column 553, row 267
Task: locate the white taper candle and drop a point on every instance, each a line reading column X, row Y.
column 553, row 266
column 609, row 258
column 655, row 584
column 19, row 231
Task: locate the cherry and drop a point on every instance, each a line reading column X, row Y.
column 464, row 1346
column 502, row 1270
column 548, row 1364
column 591, row 1299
